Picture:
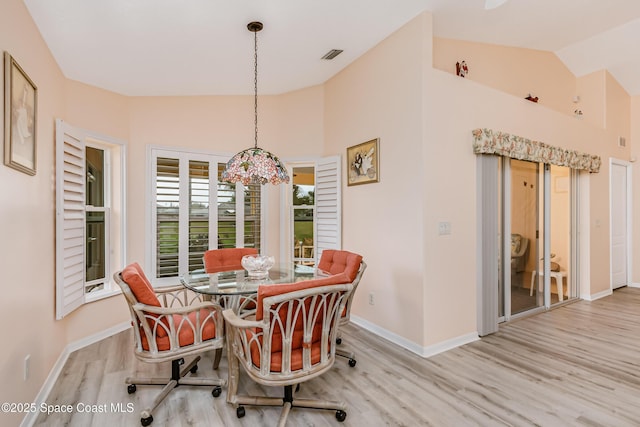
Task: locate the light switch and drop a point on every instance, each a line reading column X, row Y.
column 444, row 227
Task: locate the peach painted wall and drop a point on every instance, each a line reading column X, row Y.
column 27, row 220
column 467, row 100
column 378, row 96
column 592, row 92
column 289, row 124
column 451, row 107
column 618, row 114
column 97, row 110
column 513, row 70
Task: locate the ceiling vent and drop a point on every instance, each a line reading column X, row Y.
column 332, row 54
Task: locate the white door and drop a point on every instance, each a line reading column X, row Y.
column 619, row 224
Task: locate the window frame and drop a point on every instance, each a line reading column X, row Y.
column 106, row 210
column 327, row 208
column 70, row 295
column 184, row 156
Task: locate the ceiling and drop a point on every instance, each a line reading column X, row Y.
column 202, row 47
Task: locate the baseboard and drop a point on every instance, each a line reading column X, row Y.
column 449, row 344
column 634, row 285
column 599, row 295
column 429, row 351
column 46, row 388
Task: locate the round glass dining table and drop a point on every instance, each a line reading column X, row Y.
column 237, row 290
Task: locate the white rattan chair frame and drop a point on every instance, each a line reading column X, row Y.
column 313, row 306
column 175, row 300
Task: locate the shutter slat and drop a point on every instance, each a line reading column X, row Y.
column 328, row 221
column 70, row 219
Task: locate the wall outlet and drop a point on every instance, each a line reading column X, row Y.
column 371, row 301
column 27, row 366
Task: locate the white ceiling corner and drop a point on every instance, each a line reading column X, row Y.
column 199, row 47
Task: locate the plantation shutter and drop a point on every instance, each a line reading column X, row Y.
column 70, row 218
column 328, row 202
column 192, row 210
column 166, row 216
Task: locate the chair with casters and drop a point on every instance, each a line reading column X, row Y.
column 226, row 259
column 291, row 340
column 337, row 261
column 169, row 324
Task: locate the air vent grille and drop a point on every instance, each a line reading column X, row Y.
column 332, row 54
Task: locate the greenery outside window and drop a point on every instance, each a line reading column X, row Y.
column 184, row 225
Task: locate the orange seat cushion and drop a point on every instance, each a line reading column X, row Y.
column 227, row 259
column 335, row 261
column 143, row 291
column 185, row 331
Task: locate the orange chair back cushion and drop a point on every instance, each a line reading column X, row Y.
column 144, row 293
column 140, row 286
column 227, row 259
column 297, row 338
column 334, row 262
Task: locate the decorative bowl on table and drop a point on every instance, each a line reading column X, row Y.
column 257, row 266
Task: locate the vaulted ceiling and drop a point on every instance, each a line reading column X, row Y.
column 200, row 47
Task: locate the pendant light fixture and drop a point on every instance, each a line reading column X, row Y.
column 255, row 165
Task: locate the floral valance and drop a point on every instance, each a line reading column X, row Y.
column 487, row 141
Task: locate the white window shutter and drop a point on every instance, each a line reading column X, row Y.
column 328, row 200
column 70, row 218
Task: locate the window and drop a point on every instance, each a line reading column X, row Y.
column 97, row 219
column 303, row 213
column 314, row 209
column 193, row 211
column 89, row 195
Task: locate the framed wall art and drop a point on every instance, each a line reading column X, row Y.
column 363, row 163
column 20, row 111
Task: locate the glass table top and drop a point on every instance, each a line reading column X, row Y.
column 238, row 282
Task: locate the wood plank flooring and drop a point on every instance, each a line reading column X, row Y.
column 578, row 365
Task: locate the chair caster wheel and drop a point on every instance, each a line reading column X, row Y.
column 147, row 421
column 240, row 412
column 338, row 341
column 131, row 388
column 194, row 369
column 341, row 416
column 216, row 391
column 352, row 362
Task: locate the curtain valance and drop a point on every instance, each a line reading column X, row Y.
column 487, row 141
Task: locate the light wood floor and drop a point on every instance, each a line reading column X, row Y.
column 578, row 365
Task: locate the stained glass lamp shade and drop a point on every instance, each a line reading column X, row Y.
column 255, row 165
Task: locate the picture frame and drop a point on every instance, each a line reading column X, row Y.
column 20, row 117
column 363, row 163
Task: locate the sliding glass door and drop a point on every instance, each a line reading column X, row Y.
column 525, row 225
column 538, row 240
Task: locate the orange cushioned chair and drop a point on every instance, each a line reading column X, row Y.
column 291, row 340
column 334, row 262
column 227, row 259
column 169, row 324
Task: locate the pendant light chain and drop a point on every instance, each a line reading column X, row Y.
column 255, row 85
column 255, row 165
